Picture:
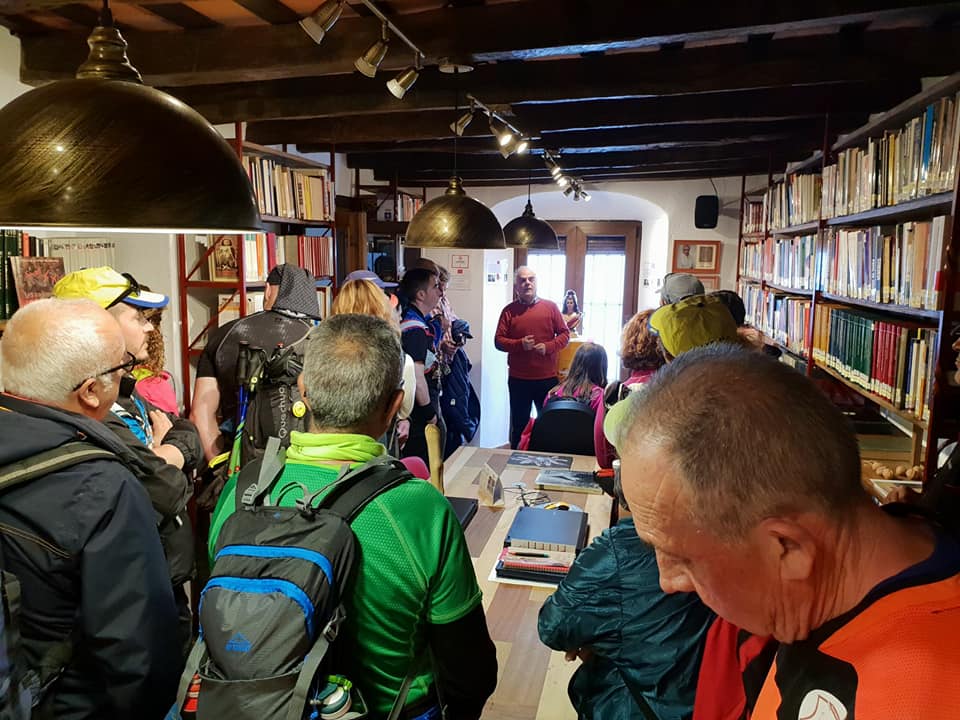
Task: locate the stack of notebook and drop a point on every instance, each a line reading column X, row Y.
column 541, row 545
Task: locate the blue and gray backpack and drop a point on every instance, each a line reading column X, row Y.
column 274, row 602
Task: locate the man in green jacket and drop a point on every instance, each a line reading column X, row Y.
column 415, row 597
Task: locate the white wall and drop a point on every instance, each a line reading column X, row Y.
column 10, row 85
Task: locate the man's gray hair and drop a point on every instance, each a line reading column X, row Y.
column 750, row 438
column 352, row 365
column 50, row 346
column 516, row 273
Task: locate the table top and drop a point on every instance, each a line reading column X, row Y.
column 532, row 678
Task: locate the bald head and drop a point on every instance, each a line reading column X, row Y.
column 51, row 346
column 750, row 438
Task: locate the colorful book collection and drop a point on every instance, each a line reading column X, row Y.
column 794, row 201
column 317, row 254
column 302, row 193
column 777, row 315
column 893, row 360
column 10, row 246
column 918, row 159
column 408, row 206
column 752, row 217
column 894, row 264
column 784, row 261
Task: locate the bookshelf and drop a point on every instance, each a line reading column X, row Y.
column 389, row 209
column 295, row 196
column 885, row 240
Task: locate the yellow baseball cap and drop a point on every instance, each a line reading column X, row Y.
column 692, row 322
column 106, row 287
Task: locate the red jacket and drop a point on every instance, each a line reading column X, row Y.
column 542, row 319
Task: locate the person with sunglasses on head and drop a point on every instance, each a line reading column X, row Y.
column 97, row 619
column 167, row 446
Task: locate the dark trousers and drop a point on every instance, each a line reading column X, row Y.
column 523, row 395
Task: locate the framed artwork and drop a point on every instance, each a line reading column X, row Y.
column 225, row 258
column 711, row 283
column 34, row 277
column 696, row 256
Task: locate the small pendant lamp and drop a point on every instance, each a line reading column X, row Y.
column 455, row 220
column 529, row 231
column 104, row 152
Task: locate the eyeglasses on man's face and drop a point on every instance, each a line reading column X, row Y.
column 129, row 364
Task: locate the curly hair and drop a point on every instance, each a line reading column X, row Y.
column 638, row 347
column 155, row 346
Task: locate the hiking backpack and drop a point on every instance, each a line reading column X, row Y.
column 22, row 688
column 274, row 601
column 275, row 407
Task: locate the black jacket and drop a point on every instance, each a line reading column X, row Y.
column 83, row 543
column 169, row 487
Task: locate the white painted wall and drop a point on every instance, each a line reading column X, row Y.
column 10, row 85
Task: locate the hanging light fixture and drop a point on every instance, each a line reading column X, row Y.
column 103, row 152
column 455, row 220
column 529, row 231
column 319, row 22
column 399, row 85
column 369, row 62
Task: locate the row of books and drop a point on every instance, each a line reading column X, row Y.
column 752, row 216
column 794, row 201
column 11, row 242
column 785, row 261
column 77, row 252
column 408, row 206
column 304, row 193
column 893, row 264
column 777, row 315
column 918, row 159
column 892, row 360
column 228, row 304
column 224, row 260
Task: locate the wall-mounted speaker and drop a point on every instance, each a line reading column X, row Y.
column 706, row 211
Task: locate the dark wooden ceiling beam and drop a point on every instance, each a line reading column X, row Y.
column 410, row 163
column 892, row 56
column 488, row 33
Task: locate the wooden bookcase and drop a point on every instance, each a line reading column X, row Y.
column 308, row 242
column 857, row 335
column 389, row 209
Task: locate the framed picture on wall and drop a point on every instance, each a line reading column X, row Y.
column 711, row 283
column 696, row 256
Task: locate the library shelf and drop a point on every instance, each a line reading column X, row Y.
column 754, row 236
column 282, row 157
column 296, row 221
column 807, row 228
column 815, row 161
column 753, row 280
column 898, row 115
column 924, row 207
column 788, row 290
column 905, row 415
column 889, row 308
column 799, row 357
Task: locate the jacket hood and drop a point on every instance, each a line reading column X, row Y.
column 297, row 293
column 28, row 428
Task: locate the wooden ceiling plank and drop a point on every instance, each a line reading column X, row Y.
column 481, row 33
column 182, row 15
column 81, row 14
column 271, row 11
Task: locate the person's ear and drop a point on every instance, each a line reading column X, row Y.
column 393, row 406
column 788, row 545
column 303, row 391
column 87, row 396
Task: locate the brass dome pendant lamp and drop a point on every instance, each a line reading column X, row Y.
column 455, row 220
column 104, row 152
column 529, row 231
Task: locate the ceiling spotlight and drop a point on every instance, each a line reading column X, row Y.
column 509, row 147
column 369, row 62
column 399, row 86
column 585, row 195
column 500, row 131
column 523, row 144
column 555, row 170
column 568, row 188
column 459, row 126
column 318, row 23
column 563, row 181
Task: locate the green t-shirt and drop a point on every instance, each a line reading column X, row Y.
column 414, row 569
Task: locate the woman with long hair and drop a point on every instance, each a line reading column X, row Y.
column 570, row 310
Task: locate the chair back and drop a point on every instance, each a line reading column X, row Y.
column 564, row 425
column 435, row 455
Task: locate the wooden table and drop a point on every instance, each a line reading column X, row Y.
column 532, row 678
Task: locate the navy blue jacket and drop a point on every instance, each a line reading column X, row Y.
column 83, row 543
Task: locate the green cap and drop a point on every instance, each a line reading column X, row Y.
column 693, row 322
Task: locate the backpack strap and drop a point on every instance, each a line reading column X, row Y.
column 354, row 490
column 270, row 468
column 49, row 461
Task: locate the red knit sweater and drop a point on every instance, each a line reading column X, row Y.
column 542, row 319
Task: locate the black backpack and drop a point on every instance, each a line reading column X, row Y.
column 273, row 604
column 275, row 407
column 22, row 688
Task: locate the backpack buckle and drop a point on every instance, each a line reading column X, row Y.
column 333, row 627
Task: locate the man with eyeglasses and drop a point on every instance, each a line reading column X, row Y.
column 167, row 447
column 97, row 616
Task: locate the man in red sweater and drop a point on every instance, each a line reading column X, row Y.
column 532, row 332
